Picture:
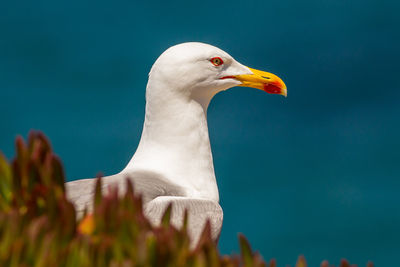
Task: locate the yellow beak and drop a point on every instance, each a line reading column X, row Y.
column 262, row 80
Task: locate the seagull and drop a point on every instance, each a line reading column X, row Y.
column 173, row 162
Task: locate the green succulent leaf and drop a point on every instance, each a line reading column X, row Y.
column 166, row 217
column 245, row 251
column 5, row 184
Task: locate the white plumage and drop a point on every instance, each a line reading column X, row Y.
column 173, row 162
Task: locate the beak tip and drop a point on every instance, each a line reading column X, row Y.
column 284, row 92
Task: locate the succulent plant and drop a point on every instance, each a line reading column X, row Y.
column 38, row 225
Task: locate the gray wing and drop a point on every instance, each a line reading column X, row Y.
column 149, row 184
column 157, row 193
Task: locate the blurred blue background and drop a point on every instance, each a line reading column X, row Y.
column 316, row 173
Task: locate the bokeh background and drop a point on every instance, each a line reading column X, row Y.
column 317, row 173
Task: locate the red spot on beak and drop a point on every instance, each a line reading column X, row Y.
column 272, row 89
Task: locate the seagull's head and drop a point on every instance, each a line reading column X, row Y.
column 200, row 71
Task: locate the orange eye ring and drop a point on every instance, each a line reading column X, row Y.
column 217, row 61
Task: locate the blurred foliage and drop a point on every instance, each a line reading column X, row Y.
column 38, row 225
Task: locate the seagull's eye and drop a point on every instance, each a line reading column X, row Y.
column 217, row 61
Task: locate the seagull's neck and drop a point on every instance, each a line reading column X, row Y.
column 175, row 142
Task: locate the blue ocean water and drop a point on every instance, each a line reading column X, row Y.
column 317, row 173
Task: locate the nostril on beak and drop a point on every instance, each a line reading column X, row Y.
column 268, row 78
